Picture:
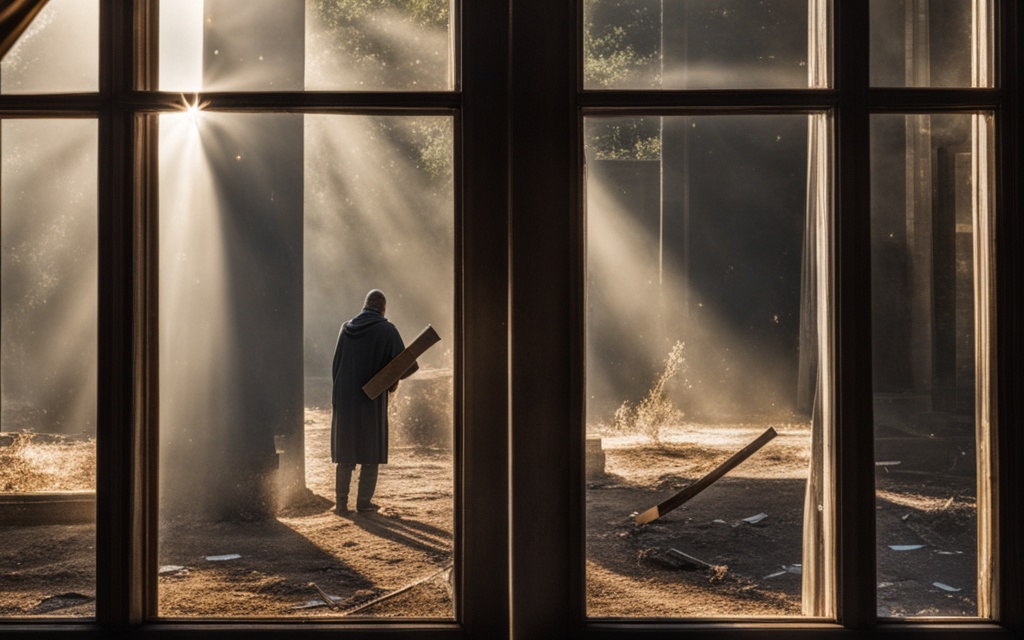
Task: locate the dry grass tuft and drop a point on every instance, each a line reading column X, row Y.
column 655, row 411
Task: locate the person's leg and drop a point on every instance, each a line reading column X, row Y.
column 367, row 485
column 342, row 479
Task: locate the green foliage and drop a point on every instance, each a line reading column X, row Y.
column 339, row 13
column 655, row 411
column 609, row 58
column 426, row 143
column 621, row 43
column 625, row 139
column 432, row 140
column 379, row 44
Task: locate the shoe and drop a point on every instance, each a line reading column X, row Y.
column 341, row 509
column 369, row 507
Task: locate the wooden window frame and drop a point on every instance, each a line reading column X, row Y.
column 518, row 109
column 548, row 387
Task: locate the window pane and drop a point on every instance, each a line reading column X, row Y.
column 48, row 308
column 58, row 53
column 705, row 44
column 318, row 45
column 273, row 229
column 707, row 316
column 929, row 185
column 902, row 33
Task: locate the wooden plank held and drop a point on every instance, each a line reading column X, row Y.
column 394, row 370
column 689, row 492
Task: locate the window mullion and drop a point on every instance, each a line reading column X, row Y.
column 855, row 488
column 1008, row 601
column 119, row 540
column 544, row 492
column 482, row 195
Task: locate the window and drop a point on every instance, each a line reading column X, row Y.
column 537, row 105
column 49, row 366
column 58, row 52
column 704, row 331
column 256, row 264
column 931, row 206
column 205, row 200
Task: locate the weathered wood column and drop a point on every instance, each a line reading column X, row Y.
column 259, row 171
column 243, row 451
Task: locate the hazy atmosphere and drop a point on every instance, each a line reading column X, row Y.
column 708, row 268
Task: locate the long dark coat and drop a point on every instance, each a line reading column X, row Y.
column 359, row 426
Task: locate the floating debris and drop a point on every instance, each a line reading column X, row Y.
column 170, row 568
column 313, row 604
column 788, row 568
column 949, row 553
column 720, row 521
column 755, row 519
column 676, row 559
column 883, row 585
column 944, row 587
column 229, row 556
column 328, row 599
column 906, row 547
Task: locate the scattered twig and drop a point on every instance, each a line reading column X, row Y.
column 388, row 596
column 328, row 599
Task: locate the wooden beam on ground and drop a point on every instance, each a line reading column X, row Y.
column 689, row 492
column 394, row 370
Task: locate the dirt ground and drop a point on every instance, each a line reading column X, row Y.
column 755, row 567
column 397, row 563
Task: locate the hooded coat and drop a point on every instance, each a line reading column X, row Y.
column 359, row 425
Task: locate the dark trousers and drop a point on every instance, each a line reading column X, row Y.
column 367, row 483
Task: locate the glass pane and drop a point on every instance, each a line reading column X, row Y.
column 707, row 335
column 57, row 53
column 273, row 229
column 48, row 307
column 928, row 201
column 317, row 45
column 902, row 33
column 705, row 44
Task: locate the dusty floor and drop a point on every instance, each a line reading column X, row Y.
column 756, row 566
column 393, row 563
column 397, row 563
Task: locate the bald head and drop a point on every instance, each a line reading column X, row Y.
column 375, row 300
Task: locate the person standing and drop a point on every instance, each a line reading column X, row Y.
column 359, row 425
